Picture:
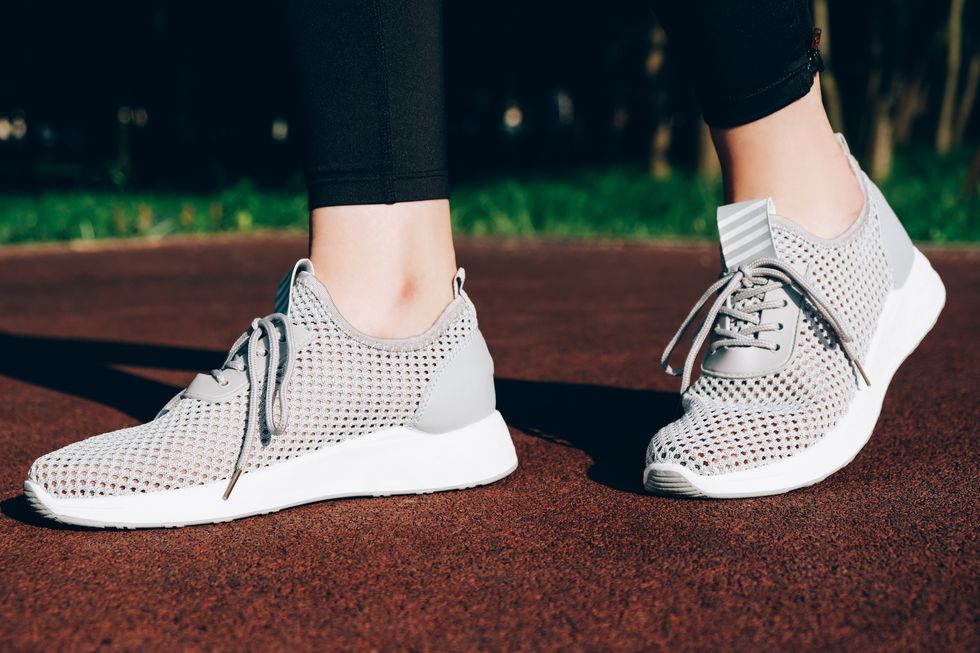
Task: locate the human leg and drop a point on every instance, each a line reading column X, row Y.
column 371, row 376
column 371, row 92
column 754, row 67
column 822, row 294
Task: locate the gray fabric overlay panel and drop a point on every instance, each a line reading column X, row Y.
column 743, row 229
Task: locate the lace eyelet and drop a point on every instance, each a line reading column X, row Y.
column 785, row 303
column 223, row 383
column 777, row 347
column 779, row 326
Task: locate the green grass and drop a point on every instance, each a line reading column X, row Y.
column 618, row 203
column 926, row 192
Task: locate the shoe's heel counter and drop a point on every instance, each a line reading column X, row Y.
column 463, row 391
column 899, row 250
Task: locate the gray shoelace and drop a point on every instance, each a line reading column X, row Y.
column 743, row 283
column 273, row 386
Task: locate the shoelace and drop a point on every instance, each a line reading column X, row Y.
column 273, row 387
column 744, row 282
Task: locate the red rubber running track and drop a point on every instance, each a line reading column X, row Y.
column 566, row 553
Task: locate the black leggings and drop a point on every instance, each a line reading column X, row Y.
column 370, row 75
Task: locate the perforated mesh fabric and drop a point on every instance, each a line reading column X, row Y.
column 735, row 424
column 342, row 387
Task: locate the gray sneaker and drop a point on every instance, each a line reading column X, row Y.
column 803, row 336
column 304, row 408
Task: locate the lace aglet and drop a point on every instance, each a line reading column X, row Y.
column 231, row 484
column 864, row 375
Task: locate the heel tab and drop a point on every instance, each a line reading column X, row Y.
column 284, row 292
column 458, row 282
column 459, row 294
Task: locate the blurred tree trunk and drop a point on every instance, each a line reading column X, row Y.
column 954, row 40
column 971, row 185
column 663, row 130
column 911, row 104
column 828, row 81
column 659, row 147
column 880, row 144
column 708, row 165
column 882, row 140
column 124, row 150
column 969, row 97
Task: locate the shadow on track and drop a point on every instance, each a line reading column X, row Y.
column 84, row 368
column 18, row 509
column 611, row 425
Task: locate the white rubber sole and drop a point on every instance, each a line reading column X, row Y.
column 908, row 315
column 392, row 461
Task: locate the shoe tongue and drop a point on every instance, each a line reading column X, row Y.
column 745, row 231
column 286, row 290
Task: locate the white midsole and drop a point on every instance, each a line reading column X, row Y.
column 907, row 316
column 393, row 461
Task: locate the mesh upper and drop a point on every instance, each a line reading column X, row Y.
column 735, row 424
column 342, row 387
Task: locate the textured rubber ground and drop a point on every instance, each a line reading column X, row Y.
column 566, row 553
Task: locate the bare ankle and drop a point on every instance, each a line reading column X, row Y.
column 388, row 268
column 397, row 310
column 793, row 156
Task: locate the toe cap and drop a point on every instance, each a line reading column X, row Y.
column 718, row 439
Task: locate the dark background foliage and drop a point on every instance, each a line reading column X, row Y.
column 210, row 83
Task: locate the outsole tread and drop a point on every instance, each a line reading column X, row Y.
column 38, row 506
